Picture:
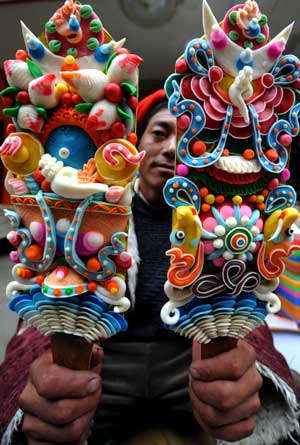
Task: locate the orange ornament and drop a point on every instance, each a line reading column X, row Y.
column 46, row 186
column 203, row 192
column 272, row 155
column 57, row 292
column 38, row 176
column 252, row 198
column 93, row 264
column 261, row 206
column 24, row 272
column 92, row 286
column 34, row 252
column 249, row 154
column 205, row 207
column 198, row 148
column 112, row 286
column 132, row 138
column 220, row 199
column 39, row 279
column 79, row 289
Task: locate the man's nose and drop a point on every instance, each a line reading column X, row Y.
column 169, row 147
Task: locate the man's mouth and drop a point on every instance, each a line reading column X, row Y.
column 169, row 167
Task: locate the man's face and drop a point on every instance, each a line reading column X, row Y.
column 159, row 143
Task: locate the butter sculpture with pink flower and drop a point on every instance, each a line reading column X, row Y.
column 236, row 100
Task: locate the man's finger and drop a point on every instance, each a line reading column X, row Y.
column 226, row 395
column 214, row 418
column 38, row 430
column 230, row 365
column 234, row 432
column 56, row 412
column 53, row 381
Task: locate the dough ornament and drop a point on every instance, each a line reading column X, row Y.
column 236, row 99
column 70, row 160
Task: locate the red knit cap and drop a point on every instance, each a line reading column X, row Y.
column 146, row 104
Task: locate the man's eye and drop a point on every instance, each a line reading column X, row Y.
column 159, row 133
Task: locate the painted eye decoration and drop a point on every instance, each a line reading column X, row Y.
column 290, row 233
column 64, row 152
column 177, row 237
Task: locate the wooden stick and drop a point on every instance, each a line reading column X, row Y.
column 217, row 346
column 71, row 351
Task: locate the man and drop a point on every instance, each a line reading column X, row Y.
column 152, row 388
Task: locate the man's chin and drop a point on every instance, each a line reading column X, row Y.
column 158, row 186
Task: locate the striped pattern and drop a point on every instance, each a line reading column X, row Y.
column 103, row 207
column 289, row 288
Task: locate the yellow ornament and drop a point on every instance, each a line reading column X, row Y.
column 209, row 199
column 260, row 199
column 117, row 161
column 237, row 200
column 21, row 153
column 186, row 231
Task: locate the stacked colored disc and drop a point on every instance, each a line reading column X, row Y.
column 86, row 316
column 222, row 316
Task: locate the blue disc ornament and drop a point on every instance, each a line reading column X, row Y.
column 70, row 144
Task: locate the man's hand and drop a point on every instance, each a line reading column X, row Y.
column 224, row 392
column 59, row 403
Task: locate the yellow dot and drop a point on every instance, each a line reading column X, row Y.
column 260, row 199
column 61, row 88
column 210, row 199
column 114, row 290
column 69, row 60
column 237, row 200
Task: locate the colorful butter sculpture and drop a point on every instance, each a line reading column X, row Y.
column 70, row 156
column 236, row 100
column 289, row 287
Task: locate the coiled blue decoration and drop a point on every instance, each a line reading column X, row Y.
column 202, row 47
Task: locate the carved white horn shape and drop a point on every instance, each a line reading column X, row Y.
column 263, row 62
column 90, row 62
column 277, row 230
column 263, row 58
column 50, row 63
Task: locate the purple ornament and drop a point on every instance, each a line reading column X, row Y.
column 182, row 170
column 285, row 175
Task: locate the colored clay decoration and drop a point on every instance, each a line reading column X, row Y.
column 288, row 289
column 70, row 160
column 236, row 99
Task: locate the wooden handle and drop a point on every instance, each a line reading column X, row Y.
column 217, row 346
column 71, row 351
